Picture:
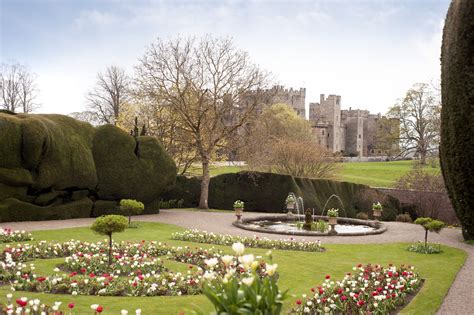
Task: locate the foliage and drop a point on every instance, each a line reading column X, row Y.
column 362, row 216
column 150, row 171
column 333, row 213
column 377, row 206
column 290, row 199
column 369, row 289
column 430, row 225
column 255, row 242
column 249, row 294
column 8, row 235
column 422, row 248
column 109, row 224
column 131, row 207
column 310, row 270
column 267, row 192
column 457, row 125
column 238, row 204
column 320, row 226
column 202, row 81
column 419, row 116
column 365, row 198
column 282, row 142
column 404, row 217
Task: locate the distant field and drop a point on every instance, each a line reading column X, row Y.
column 375, row 174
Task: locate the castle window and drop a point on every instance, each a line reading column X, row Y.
column 323, row 132
column 359, row 136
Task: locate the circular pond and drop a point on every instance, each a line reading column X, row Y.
column 293, row 225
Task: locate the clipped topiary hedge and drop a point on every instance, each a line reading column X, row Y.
column 457, row 116
column 54, row 167
column 266, row 192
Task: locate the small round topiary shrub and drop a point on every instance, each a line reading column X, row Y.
column 107, row 225
column 131, row 207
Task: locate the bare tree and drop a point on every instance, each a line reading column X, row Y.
column 86, row 116
column 110, row 95
column 18, row 87
column 419, row 116
column 202, row 82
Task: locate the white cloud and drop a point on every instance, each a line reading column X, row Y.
column 94, row 18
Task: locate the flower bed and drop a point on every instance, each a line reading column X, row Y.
column 8, row 236
column 23, row 305
column 370, row 289
column 136, row 270
column 255, row 242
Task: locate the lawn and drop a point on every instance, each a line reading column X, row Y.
column 375, row 174
column 299, row 271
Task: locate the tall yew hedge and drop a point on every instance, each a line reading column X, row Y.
column 457, row 117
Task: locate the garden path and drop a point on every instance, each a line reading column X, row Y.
column 459, row 300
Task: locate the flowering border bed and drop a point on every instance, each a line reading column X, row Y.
column 23, row 305
column 8, row 235
column 255, row 242
column 84, row 260
column 371, row 289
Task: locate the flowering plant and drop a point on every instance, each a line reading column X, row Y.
column 377, row 206
column 371, row 289
column 333, row 213
column 290, row 199
column 255, row 241
column 8, row 235
column 23, row 305
column 139, row 272
column 238, row 204
column 251, row 292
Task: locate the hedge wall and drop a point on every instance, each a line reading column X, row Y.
column 457, row 116
column 266, row 192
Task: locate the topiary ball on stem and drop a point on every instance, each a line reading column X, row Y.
column 131, row 207
column 107, row 225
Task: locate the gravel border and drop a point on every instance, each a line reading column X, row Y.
column 458, row 301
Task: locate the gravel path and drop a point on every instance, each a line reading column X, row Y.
column 459, row 300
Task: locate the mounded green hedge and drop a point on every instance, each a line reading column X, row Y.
column 266, row 192
column 53, row 166
column 457, row 117
column 12, row 209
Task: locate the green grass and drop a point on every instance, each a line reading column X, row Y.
column 299, row 271
column 375, row 174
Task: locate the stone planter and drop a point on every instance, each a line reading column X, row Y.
column 238, row 212
column 332, row 220
column 377, row 213
column 290, row 206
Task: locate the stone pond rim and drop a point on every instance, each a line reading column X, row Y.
column 377, row 225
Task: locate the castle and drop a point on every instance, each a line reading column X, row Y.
column 353, row 132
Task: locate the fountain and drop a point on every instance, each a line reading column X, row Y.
column 300, row 222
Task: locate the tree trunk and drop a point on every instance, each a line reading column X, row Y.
column 129, row 219
column 203, row 204
column 426, row 238
column 423, row 157
column 110, row 249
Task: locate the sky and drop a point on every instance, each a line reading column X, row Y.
column 369, row 52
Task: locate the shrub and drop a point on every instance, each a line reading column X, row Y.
column 457, row 119
column 404, row 217
column 320, row 226
column 423, row 248
column 238, row 204
column 427, row 190
column 107, row 225
column 430, row 225
column 266, row 192
column 131, row 207
column 333, row 213
column 362, row 215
